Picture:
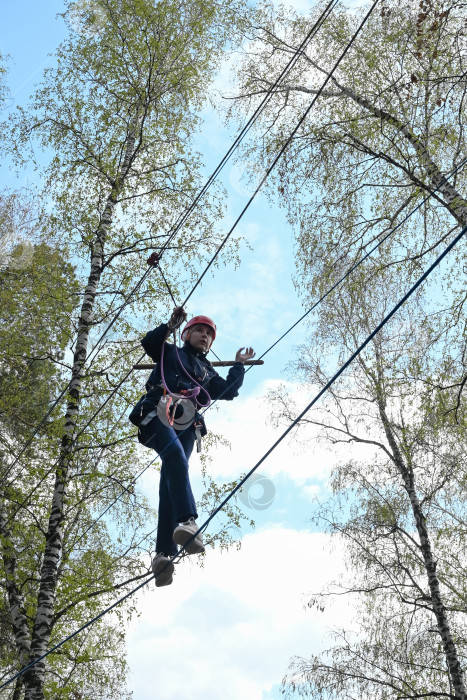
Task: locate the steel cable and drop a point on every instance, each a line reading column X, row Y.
column 183, row 218
column 316, row 398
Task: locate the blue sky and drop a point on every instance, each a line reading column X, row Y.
column 226, row 630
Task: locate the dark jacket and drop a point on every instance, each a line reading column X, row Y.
column 196, row 364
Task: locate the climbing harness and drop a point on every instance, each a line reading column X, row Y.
column 186, row 393
column 175, row 410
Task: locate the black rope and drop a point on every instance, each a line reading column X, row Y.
column 362, row 260
column 334, row 378
column 284, row 434
column 329, row 291
column 182, row 219
column 167, row 285
column 284, row 147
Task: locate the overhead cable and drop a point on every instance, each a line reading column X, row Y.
column 327, row 386
column 284, row 147
column 307, row 313
column 183, row 218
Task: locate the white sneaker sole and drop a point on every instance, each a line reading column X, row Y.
column 181, row 537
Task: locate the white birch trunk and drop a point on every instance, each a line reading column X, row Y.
column 439, row 610
column 19, row 621
column 43, row 624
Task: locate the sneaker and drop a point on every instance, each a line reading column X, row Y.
column 163, row 569
column 182, row 534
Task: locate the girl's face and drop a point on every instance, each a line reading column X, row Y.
column 201, row 337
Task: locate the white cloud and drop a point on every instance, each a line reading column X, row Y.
column 227, row 631
column 300, row 466
column 311, row 491
column 244, row 422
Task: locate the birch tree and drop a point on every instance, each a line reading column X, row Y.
column 36, row 304
column 399, row 499
column 117, row 113
column 385, row 133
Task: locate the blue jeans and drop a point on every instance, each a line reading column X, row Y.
column 176, row 501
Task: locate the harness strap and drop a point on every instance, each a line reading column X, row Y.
column 198, row 426
column 149, row 417
column 192, row 394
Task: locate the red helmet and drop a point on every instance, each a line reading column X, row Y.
column 200, row 319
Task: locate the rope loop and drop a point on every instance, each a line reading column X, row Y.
column 191, row 394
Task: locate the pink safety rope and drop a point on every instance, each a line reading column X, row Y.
column 198, row 387
column 193, row 394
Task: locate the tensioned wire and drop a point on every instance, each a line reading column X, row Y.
column 249, row 474
column 263, row 179
column 314, row 306
column 183, row 218
column 283, row 148
column 316, row 398
column 289, row 330
column 269, row 170
column 307, row 313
